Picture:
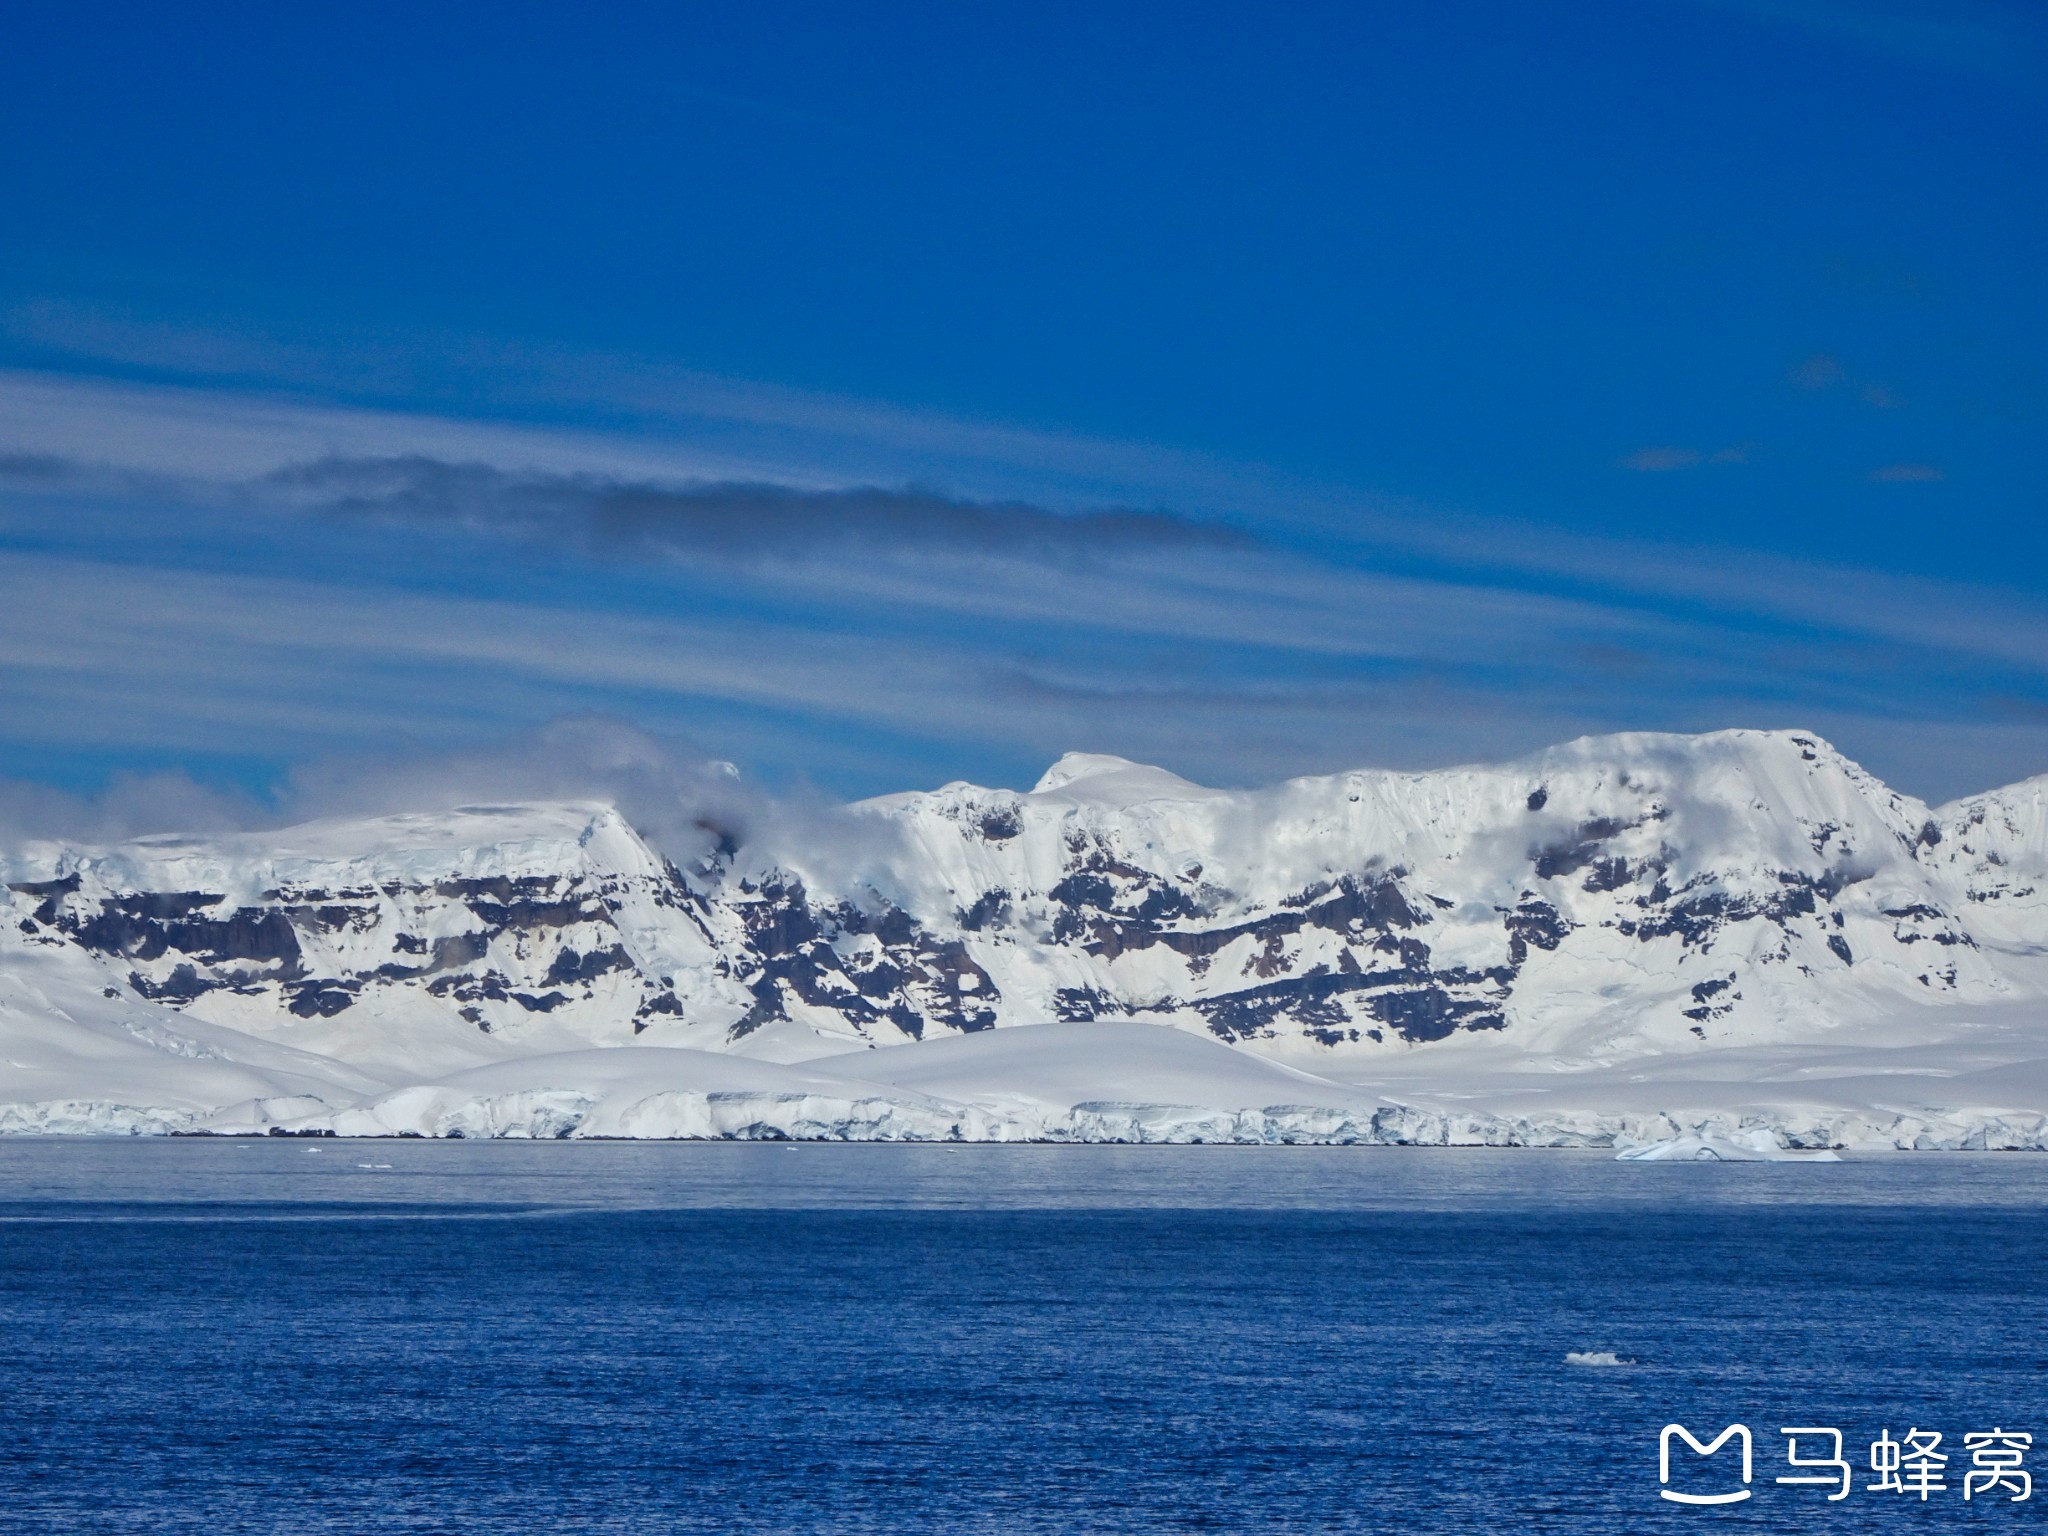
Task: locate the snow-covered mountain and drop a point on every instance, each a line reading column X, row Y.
column 1614, row 898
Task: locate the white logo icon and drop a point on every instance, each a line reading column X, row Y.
column 1914, row 1465
column 1664, row 1463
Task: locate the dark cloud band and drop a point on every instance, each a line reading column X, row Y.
column 723, row 517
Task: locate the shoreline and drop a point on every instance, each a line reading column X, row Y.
column 790, row 1119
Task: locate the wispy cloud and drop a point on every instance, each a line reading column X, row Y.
column 628, row 517
column 130, row 805
column 1662, row 460
column 1657, row 461
column 184, row 572
column 1823, row 371
column 1906, row 474
column 656, row 416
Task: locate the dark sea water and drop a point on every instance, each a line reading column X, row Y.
column 230, row 1337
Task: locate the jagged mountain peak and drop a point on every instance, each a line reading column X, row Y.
column 1654, row 891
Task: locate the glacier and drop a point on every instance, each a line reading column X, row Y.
column 1740, row 942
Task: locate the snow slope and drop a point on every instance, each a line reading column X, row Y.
column 1622, row 937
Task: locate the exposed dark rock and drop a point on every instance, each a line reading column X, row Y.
column 780, row 922
column 1700, row 910
column 183, row 985
column 1408, row 1001
column 988, row 908
column 321, row 999
column 44, row 889
column 502, row 889
column 331, row 919
column 1081, row 1005
column 1001, row 825
column 570, row 968
column 1533, row 922
column 528, row 916
column 49, row 893
column 913, row 979
column 662, row 1004
column 1705, row 1007
column 1608, row 875
column 144, row 928
column 458, row 950
column 1569, row 858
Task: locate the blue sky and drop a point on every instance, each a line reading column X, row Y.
column 384, row 382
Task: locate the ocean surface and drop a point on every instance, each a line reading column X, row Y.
column 275, row 1336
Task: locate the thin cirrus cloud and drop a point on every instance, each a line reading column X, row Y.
column 1824, row 371
column 1906, row 474
column 1314, row 667
column 1820, row 371
column 1658, row 461
column 218, row 576
column 250, row 412
column 1663, row 460
column 117, row 656
column 621, row 516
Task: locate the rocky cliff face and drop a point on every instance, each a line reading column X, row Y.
column 1655, row 890
column 1638, row 891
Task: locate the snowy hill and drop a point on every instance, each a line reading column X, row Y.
column 1705, row 904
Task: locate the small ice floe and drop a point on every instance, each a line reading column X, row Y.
column 1595, row 1357
column 1752, row 1146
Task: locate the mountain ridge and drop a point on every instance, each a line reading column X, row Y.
column 1638, row 895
